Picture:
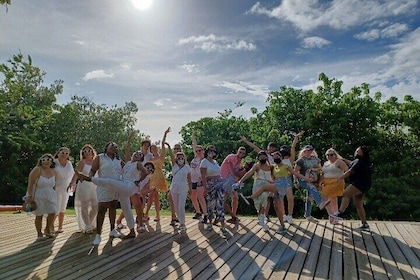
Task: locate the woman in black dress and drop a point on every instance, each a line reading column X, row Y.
column 360, row 180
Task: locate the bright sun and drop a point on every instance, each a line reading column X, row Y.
column 142, row 4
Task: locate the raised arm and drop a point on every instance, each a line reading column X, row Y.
column 171, row 154
column 127, row 153
column 163, row 152
column 252, row 145
column 293, row 147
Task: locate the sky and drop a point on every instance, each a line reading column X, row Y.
column 182, row 60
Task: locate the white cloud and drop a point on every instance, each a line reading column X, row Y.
column 308, row 15
column 314, row 42
column 97, row 74
column 241, row 86
column 189, row 67
column 391, row 31
column 213, row 43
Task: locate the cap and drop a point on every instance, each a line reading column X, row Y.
column 308, row 148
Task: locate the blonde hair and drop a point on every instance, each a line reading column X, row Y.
column 335, row 152
column 87, row 146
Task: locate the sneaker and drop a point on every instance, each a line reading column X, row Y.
column 337, row 215
column 115, row 234
column 288, row 219
column 323, row 204
column 141, row 229
column 265, row 227
column 245, row 198
column 282, row 229
column 120, row 226
column 197, row 216
column 216, row 221
column 209, row 227
column 204, row 220
column 261, row 220
column 182, row 229
column 237, row 186
column 224, row 232
column 364, row 226
column 97, row 240
column 333, row 221
column 267, row 218
column 311, row 219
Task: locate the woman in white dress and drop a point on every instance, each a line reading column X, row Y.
column 65, row 172
column 41, row 183
column 108, row 165
column 85, row 200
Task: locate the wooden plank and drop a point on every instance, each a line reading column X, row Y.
column 301, row 254
column 336, row 264
column 412, row 237
column 309, row 267
column 377, row 267
column 409, row 261
column 363, row 264
column 384, row 252
column 349, row 256
column 323, row 266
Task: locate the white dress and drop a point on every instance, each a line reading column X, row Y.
column 108, row 168
column 86, row 203
column 45, row 196
column 64, row 176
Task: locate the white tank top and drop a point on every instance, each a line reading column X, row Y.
column 331, row 171
column 130, row 172
column 264, row 175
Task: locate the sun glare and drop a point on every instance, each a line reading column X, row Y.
column 142, row 4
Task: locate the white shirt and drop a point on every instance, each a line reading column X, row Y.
column 212, row 168
column 179, row 180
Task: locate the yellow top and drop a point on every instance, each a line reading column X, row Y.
column 157, row 179
column 280, row 170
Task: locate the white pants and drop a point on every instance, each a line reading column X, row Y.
column 179, row 200
column 125, row 189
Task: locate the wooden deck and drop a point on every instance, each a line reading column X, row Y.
column 391, row 250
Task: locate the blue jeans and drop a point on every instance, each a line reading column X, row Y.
column 312, row 190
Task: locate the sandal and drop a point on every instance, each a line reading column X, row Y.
column 141, row 229
column 157, row 219
column 173, row 222
column 41, row 238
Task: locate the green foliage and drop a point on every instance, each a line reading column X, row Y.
column 33, row 124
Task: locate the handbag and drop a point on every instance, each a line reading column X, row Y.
column 30, row 206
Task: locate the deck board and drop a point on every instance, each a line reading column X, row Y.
column 390, row 250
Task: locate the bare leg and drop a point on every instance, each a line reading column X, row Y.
column 349, row 192
column 60, row 221
column 264, row 188
column 194, row 200
column 235, row 201
column 290, row 201
column 112, row 214
column 279, row 209
column 358, row 203
column 102, row 207
column 38, row 225
column 201, row 199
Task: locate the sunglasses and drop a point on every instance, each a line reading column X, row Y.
column 199, row 150
column 64, row 153
column 87, row 150
column 178, row 158
column 176, row 148
column 150, row 169
column 113, row 145
column 44, row 159
column 330, row 155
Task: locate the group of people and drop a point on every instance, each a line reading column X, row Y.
column 101, row 180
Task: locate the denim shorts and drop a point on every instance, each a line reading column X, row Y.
column 281, row 185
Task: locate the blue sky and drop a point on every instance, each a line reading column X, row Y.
column 181, row 60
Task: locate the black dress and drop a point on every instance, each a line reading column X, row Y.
column 361, row 175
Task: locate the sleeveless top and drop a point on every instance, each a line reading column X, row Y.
column 263, row 175
column 157, row 179
column 195, row 170
column 109, row 168
column 130, row 172
column 287, row 161
column 280, row 171
column 64, row 175
column 332, row 171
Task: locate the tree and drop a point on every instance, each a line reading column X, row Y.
column 26, row 107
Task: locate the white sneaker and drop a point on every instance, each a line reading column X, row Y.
column 97, row 240
column 114, row 233
column 288, row 219
column 265, row 227
column 261, row 220
column 311, row 219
